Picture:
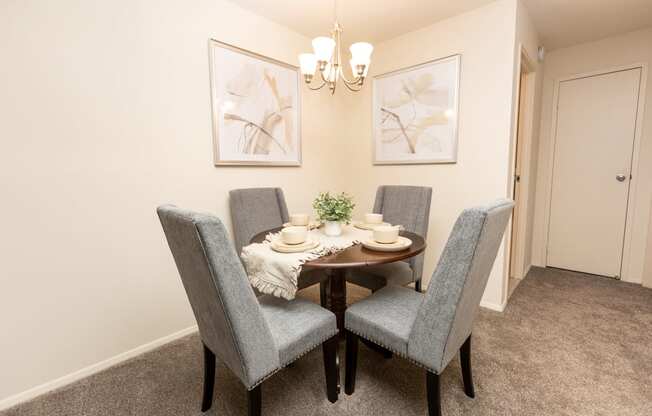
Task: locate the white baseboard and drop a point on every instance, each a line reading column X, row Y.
column 91, row 369
column 493, row 306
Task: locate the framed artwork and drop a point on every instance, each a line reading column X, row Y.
column 256, row 108
column 415, row 114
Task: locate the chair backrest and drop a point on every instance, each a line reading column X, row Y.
column 445, row 318
column 254, row 210
column 230, row 321
column 408, row 206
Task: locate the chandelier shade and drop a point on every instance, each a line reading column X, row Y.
column 361, row 51
column 323, row 48
column 308, row 63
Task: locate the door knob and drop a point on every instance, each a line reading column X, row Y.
column 621, row 178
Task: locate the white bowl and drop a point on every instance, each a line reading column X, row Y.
column 373, row 218
column 299, row 219
column 386, row 234
column 294, row 235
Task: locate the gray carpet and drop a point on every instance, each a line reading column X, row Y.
column 568, row 344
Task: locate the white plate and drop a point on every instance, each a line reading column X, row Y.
column 364, row 226
column 401, row 244
column 281, row 247
column 311, row 225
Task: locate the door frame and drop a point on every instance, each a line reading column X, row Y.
column 518, row 231
column 633, row 186
column 536, row 71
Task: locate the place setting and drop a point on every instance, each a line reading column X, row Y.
column 385, row 237
column 293, row 239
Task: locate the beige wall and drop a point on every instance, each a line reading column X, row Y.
column 104, row 115
column 628, row 49
column 485, row 39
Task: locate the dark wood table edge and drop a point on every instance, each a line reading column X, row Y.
column 391, row 256
column 337, row 272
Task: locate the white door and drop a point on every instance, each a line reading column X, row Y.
column 596, row 123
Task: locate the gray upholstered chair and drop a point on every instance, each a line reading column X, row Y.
column 254, row 210
column 429, row 329
column 254, row 338
column 408, row 206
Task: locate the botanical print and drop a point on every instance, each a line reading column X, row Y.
column 415, row 114
column 255, row 108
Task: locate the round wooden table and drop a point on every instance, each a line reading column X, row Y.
column 353, row 257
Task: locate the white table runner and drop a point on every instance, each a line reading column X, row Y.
column 277, row 273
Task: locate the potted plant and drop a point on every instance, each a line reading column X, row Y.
column 333, row 210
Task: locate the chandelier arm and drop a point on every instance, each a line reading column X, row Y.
column 318, row 87
column 346, row 80
column 323, row 78
column 355, row 81
column 350, row 88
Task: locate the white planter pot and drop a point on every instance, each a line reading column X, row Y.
column 333, row 228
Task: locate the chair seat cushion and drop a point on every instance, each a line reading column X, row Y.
column 386, row 317
column 398, row 273
column 297, row 326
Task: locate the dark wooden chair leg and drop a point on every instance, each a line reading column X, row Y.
column 467, row 375
column 417, row 286
column 351, row 362
column 434, row 394
column 209, row 379
column 254, row 401
column 331, row 368
column 323, row 294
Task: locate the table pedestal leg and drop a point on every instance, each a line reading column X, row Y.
column 338, row 297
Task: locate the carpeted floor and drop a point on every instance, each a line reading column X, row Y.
column 568, row 344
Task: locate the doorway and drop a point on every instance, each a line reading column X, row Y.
column 521, row 188
column 591, row 172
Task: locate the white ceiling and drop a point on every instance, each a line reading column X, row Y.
column 563, row 23
column 559, row 22
column 362, row 20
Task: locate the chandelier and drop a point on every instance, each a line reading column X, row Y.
column 327, row 60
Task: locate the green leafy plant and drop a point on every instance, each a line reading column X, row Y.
column 334, row 207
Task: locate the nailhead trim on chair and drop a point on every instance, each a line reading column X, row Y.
column 268, row 375
column 418, row 364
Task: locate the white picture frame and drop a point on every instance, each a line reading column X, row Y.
column 256, row 108
column 416, row 113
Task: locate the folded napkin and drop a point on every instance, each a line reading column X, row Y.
column 277, row 273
